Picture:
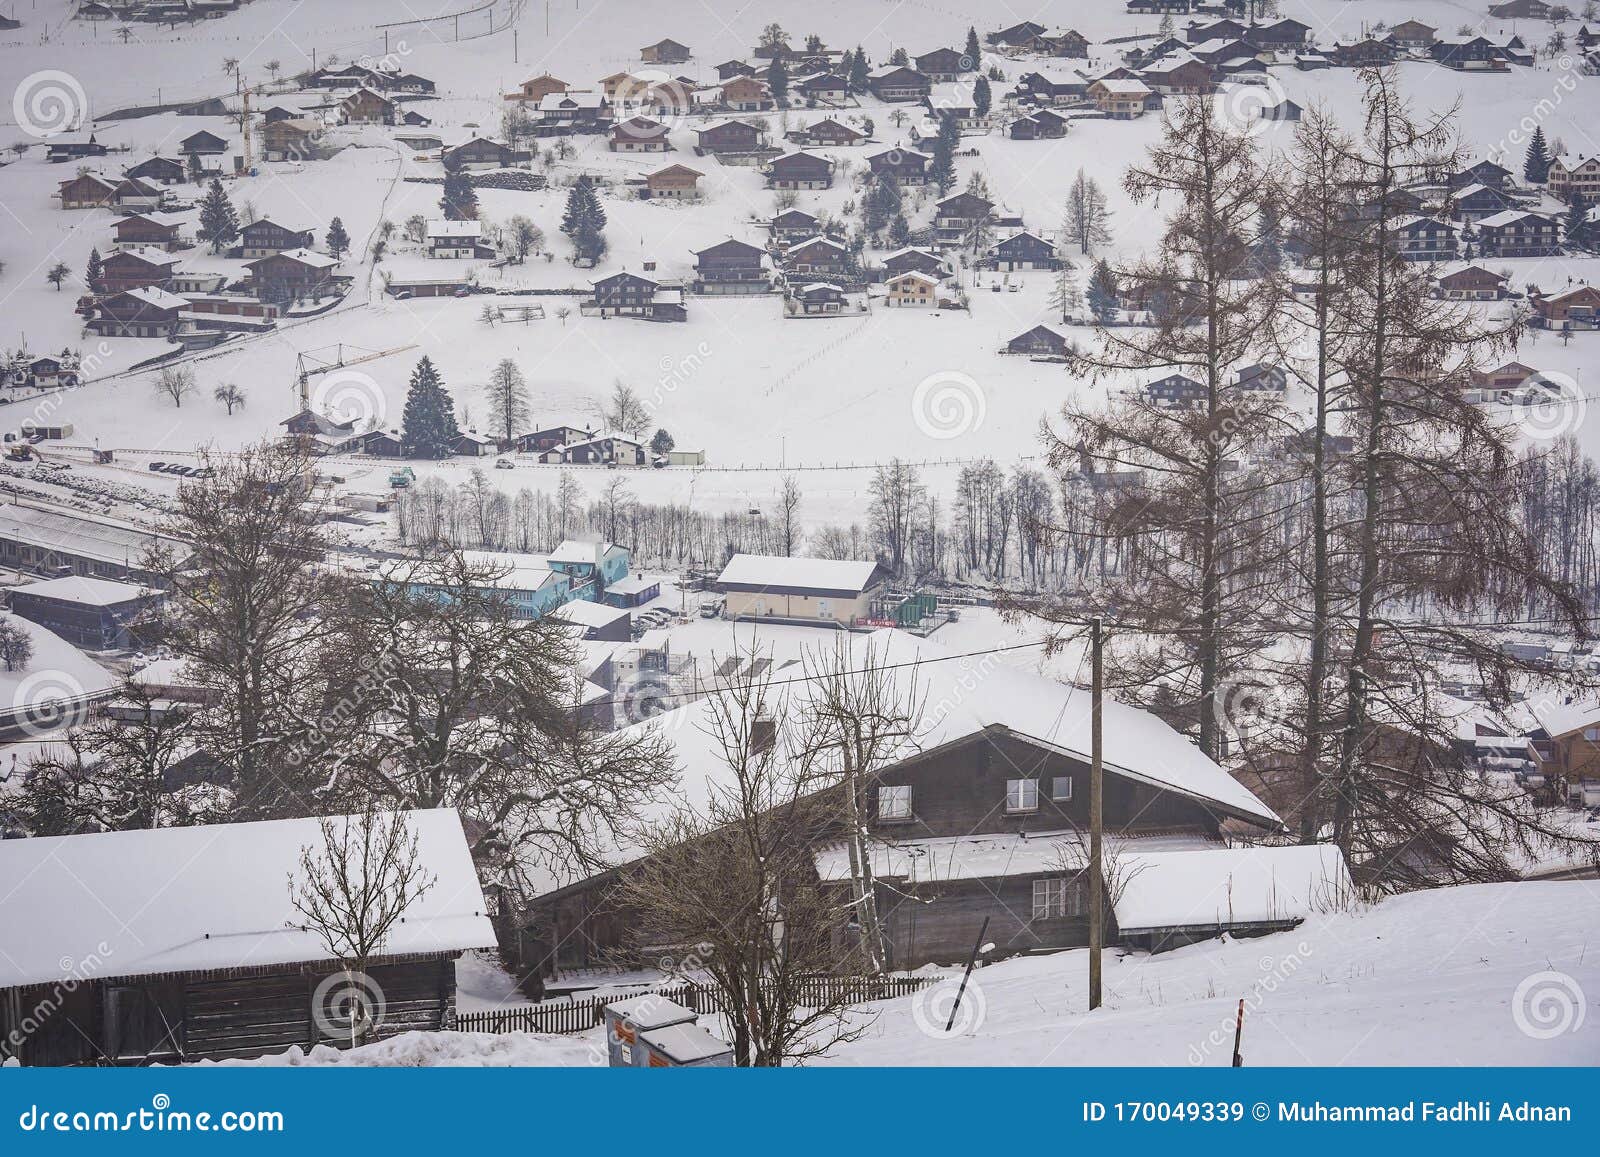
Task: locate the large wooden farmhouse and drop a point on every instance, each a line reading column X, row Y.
column 983, row 816
column 183, row 944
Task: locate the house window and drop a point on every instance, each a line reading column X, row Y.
column 1061, row 788
column 1591, row 733
column 1057, row 898
column 894, row 802
column 1022, row 795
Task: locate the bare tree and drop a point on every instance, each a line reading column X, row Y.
column 625, row 411
column 733, row 882
column 507, row 395
column 789, row 499
column 175, row 382
column 352, row 890
column 16, row 646
column 230, row 395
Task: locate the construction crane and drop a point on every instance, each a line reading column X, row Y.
column 249, row 151
column 308, row 364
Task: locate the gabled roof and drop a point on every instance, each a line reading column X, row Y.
column 193, row 899
column 771, row 572
column 156, row 298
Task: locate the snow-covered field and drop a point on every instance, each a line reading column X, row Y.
column 760, row 394
column 1503, row 973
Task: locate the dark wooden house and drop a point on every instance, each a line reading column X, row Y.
column 1176, row 392
column 1516, row 233
column 1022, row 251
column 162, row 170
column 729, row 137
column 181, row 944
column 292, row 274
column 731, row 267
column 156, row 230
column 799, row 170
column 135, row 269
column 943, row 64
column 203, row 144
column 911, row 259
column 816, row 255
column 627, row 294
column 987, row 822
column 899, row 85
column 793, row 225
column 146, row 312
column 905, row 166
column 540, row 441
column 1039, row 342
column 1426, row 239
column 264, row 237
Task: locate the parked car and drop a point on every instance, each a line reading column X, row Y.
column 503, row 464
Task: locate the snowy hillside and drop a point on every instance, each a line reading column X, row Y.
column 1499, row 973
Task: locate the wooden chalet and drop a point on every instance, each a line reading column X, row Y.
column 73, row 147
column 899, row 84
column 912, row 289
column 1020, row 35
column 911, row 257
column 1473, row 283
column 904, row 166
column 732, row 267
column 825, row 133
column 1043, row 88
column 816, row 299
column 1122, row 99
column 161, row 170
column 291, row 140
column 1283, row 35
column 673, row 183
column 482, row 153
column 264, row 237
column 955, row 217
column 149, row 230
column 135, row 269
column 366, row 107
column 203, row 144
column 639, row 135
column 984, row 829
column 295, row 274
column 1063, row 42
column 1022, row 251
column 799, row 170
column 574, row 112
column 627, row 294
column 793, row 225
column 1426, row 239
column 598, row 450
column 1412, row 35
column 1176, row 392
column 1179, row 77
column 87, row 191
column 746, row 94
column 1572, row 309
column 665, row 52
column 729, row 69
column 731, row 136
column 1517, row 233
column 1366, row 53
column 817, row 255
column 822, row 88
column 542, row 441
column 181, row 944
column 1046, row 124
column 943, row 64
column 536, row 88
column 144, row 312
column 1575, row 177
column 1468, row 53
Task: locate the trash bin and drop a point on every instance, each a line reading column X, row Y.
column 683, row 1046
column 626, row 1019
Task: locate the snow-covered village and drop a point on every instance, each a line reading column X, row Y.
column 592, row 533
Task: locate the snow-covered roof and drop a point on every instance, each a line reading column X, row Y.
column 1560, row 719
column 587, row 614
column 914, row 275
column 578, row 550
column 632, row 585
column 149, row 253
column 974, row 696
column 1223, row 886
column 1133, row 87
column 772, row 572
column 554, row 101
column 81, row 536
column 442, row 228
column 946, row 859
column 191, row 899
column 1511, row 217
column 94, row 592
column 158, row 298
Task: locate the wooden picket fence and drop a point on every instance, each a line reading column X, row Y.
column 581, row 1015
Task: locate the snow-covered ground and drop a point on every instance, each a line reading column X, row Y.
column 1503, row 973
column 760, row 394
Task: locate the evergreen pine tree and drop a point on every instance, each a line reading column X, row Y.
column 460, row 199
column 1102, row 294
column 943, row 169
column 428, row 427
column 859, row 71
column 899, row 59
column 982, row 99
column 219, row 223
column 91, row 275
column 778, row 80
column 584, row 220
column 899, row 230
column 973, row 53
column 1536, row 165
column 338, row 241
column 1577, row 230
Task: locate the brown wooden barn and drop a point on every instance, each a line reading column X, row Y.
column 182, row 944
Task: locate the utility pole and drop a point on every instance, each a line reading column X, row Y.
column 1097, row 895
